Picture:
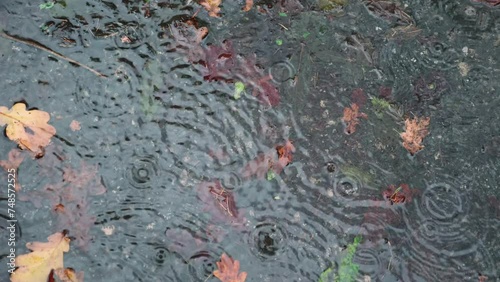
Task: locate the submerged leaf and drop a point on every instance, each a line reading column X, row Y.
column 351, row 118
column 228, row 270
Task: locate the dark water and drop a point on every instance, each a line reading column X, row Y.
column 157, row 130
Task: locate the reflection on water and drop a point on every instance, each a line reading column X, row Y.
column 178, row 151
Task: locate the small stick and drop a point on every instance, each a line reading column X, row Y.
column 47, row 49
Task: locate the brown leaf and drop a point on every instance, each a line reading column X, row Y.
column 29, row 129
column 275, row 160
column 284, row 156
column 351, row 118
column 228, row 270
column 415, row 131
column 68, row 275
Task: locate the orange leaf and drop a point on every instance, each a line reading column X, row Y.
column 285, row 154
column 29, row 129
column 248, row 5
column 415, row 132
column 228, row 269
column 212, row 6
column 351, row 118
column 37, row 265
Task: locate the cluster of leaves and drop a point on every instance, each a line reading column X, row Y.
column 415, row 131
column 221, row 203
column 30, row 130
column 45, row 261
column 347, row 270
column 69, row 200
column 221, row 62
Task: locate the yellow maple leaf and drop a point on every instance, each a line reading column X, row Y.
column 228, row 270
column 29, row 129
column 45, row 257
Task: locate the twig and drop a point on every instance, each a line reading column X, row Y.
column 47, row 49
column 390, row 260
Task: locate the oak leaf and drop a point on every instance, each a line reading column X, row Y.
column 228, row 270
column 415, row 131
column 29, row 129
column 44, row 258
column 351, row 118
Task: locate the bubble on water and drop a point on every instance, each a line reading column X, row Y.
column 268, row 240
column 141, row 171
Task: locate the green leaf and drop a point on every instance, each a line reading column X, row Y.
column 279, row 42
column 348, row 270
column 47, row 5
column 325, row 274
column 282, row 14
column 270, row 175
column 239, row 87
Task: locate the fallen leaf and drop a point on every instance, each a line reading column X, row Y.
column 400, row 194
column 67, row 275
column 218, row 201
column 351, row 118
column 69, row 197
column 37, row 265
column 415, row 131
column 29, row 129
column 248, row 5
column 75, row 125
column 483, row 278
column 489, row 2
column 228, row 270
column 15, row 159
column 212, row 6
column 284, row 155
column 274, row 160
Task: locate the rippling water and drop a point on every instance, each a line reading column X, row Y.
column 161, row 134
